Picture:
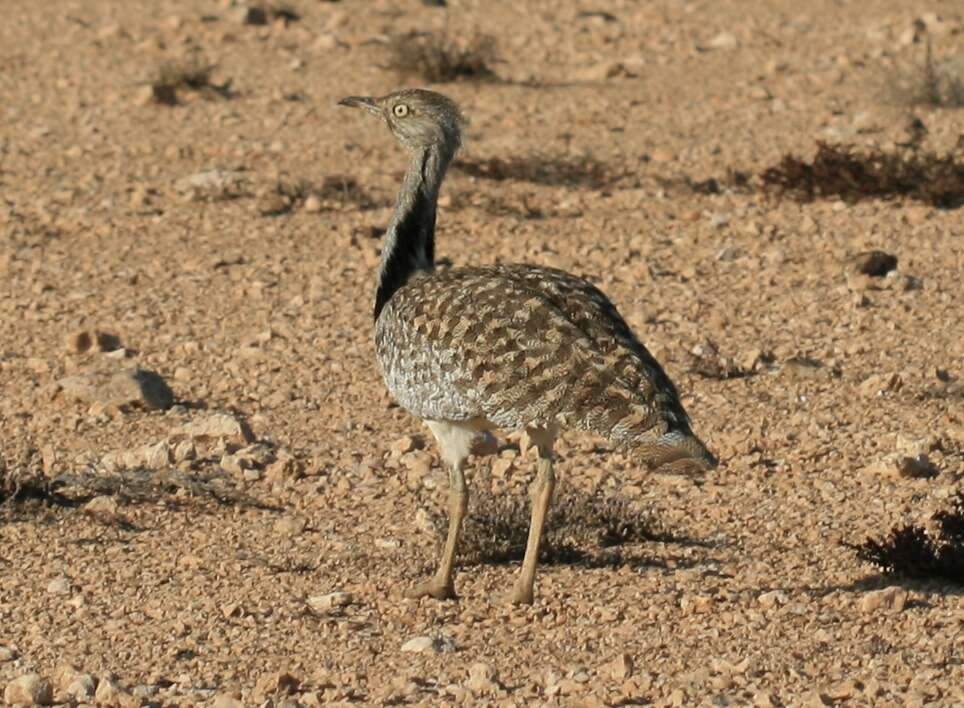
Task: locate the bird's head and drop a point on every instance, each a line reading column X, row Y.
column 420, row 119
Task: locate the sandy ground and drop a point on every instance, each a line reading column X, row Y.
column 184, row 566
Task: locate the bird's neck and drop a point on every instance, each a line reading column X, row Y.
column 410, row 240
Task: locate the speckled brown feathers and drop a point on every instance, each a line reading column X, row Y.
column 524, row 346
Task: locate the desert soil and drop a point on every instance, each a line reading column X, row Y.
column 187, row 555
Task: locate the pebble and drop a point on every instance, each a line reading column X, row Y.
column 724, row 40
column 225, row 701
column 211, row 184
column 59, row 586
column 890, row 599
column 774, row 598
column 482, row 678
column 218, row 425
column 7, row 654
column 429, row 645
column 134, row 386
column 290, row 525
column 322, row 603
column 622, row 667
column 30, row 690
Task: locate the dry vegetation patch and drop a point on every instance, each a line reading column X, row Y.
column 851, row 173
column 549, row 170
column 191, row 74
column 914, row 552
column 580, row 528
column 439, row 58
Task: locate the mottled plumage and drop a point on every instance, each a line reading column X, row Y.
column 517, row 347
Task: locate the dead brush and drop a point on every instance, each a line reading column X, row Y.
column 331, row 193
column 579, row 527
column 853, row 174
column 191, row 74
column 548, row 170
column 912, row 552
column 439, row 59
column 938, row 85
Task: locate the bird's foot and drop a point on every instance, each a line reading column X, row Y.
column 440, row 590
column 518, row 595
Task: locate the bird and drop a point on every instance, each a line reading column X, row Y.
column 511, row 347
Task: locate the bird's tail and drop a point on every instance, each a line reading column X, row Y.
column 673, row 452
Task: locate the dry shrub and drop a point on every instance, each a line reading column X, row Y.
column 910, row 551
column 850, row 173
column 556, row 171
column 437, row 58
column 333, row 192
column 191, row 74
column 930, row 84
column 578, row 527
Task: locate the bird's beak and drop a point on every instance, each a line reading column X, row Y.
column 365, row 102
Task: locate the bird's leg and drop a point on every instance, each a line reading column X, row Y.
column 441, row 585
column 540, row 492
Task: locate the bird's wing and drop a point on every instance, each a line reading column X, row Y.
column 523, row 346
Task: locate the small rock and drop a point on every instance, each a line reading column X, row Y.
column 697, row 604
column 769, row 600
column 252, row 15
column 120, row 388
column 323, row 603
column 622, row 667
column 7, row 654
column 875, row 263
column 917, row 467
column 290, row 525
column 892, row 599
column 109, row 693
column 102, row 506
column 225, row 701
column 724, row 40
column 285, row 468
column 501, row 467
column 281, row 683
column 433, row 645
column 408, row 443
column 77, row 686
column 157, row 456
column 312, row 204
column 211, row 184
column 59, row 586
column 482, row 678
column 30, row 690
column 218, row 425
column 184, row 450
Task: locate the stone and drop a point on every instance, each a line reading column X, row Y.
column 218, row 425
column 323, row 603
column 280, row 683
column 482, row 678
column 134, row 386
column 404, row 444
column 890, row 599
column 429, row 645
column 290, row 525
column 724, row 40
column 7, row 654
column 102, row 506
column 312, row 204
column 77, row 686
column 225, row 701
column 30, row 690
column 622, row 667
column 211, row 185
column 157, row 456
column 59, row 586
column 774, row 598
column 875, row 263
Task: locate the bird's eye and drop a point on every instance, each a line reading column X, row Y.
column 400, row 110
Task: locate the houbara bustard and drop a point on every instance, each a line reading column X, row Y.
column 513, row 347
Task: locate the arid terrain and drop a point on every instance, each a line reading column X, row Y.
column 181, row 195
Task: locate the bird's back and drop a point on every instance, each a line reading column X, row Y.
column 526, row 346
